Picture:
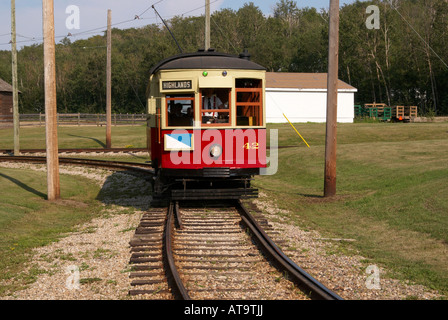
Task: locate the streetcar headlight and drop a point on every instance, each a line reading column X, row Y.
column 215, row 151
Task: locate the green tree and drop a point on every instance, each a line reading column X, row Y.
column 402, row 62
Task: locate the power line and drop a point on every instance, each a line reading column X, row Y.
column 147, row 9
column 201, row 7
column 90, row 31
column 103, row 28
column 22, row 36
column 224, row 35
column 418, row 34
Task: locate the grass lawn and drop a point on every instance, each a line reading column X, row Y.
column 27, row 220
column 392, row 187
column 76, row 137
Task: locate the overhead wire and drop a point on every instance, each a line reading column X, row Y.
column 418, row 34
column 201, row 7
column 224, row 35
column 90, row 31
column 103, row 28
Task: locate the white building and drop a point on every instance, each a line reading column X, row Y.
column 302, row 97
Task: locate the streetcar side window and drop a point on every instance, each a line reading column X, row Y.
column 249, row 104
column 215, row 109
column 180, row 110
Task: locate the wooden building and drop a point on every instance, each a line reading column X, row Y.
column 302, row 97
column 6, row 103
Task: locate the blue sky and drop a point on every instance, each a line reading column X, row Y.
column 267, row 5
column 92, row 15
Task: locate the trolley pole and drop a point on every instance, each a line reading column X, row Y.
column 332, row 101
column 51, row 131
column 109, row 80
column 207, row 25
column 15, row 91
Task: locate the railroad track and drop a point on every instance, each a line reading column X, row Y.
column 79, row 150
column 204, row 252
column 112, row 165
column 94, row 150
column 213, row 251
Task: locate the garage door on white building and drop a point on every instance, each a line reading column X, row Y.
column 302, row 97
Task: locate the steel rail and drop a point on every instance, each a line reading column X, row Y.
column 79, row 150
column 143, row 167
column 305, row 281
column 98, row 150
column 177, row 284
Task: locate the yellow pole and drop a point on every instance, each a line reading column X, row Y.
column 296, row 131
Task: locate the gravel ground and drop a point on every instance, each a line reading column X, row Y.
column 348, row 276
column 97, row 254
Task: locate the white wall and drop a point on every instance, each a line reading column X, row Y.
column 308, row 105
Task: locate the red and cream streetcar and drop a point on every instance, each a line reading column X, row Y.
column 206, row 125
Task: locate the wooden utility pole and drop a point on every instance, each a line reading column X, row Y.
column 51, row 129
column 207, row 25
column 109, row 80
column 332, row 101
column 15, row 91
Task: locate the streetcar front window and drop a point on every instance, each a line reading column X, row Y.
column 180, row 110
column 215, row 109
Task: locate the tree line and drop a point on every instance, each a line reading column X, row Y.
column 403, row 62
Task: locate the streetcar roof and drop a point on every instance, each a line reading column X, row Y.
column 206, row 60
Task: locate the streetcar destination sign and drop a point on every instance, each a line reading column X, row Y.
column 177, row 85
